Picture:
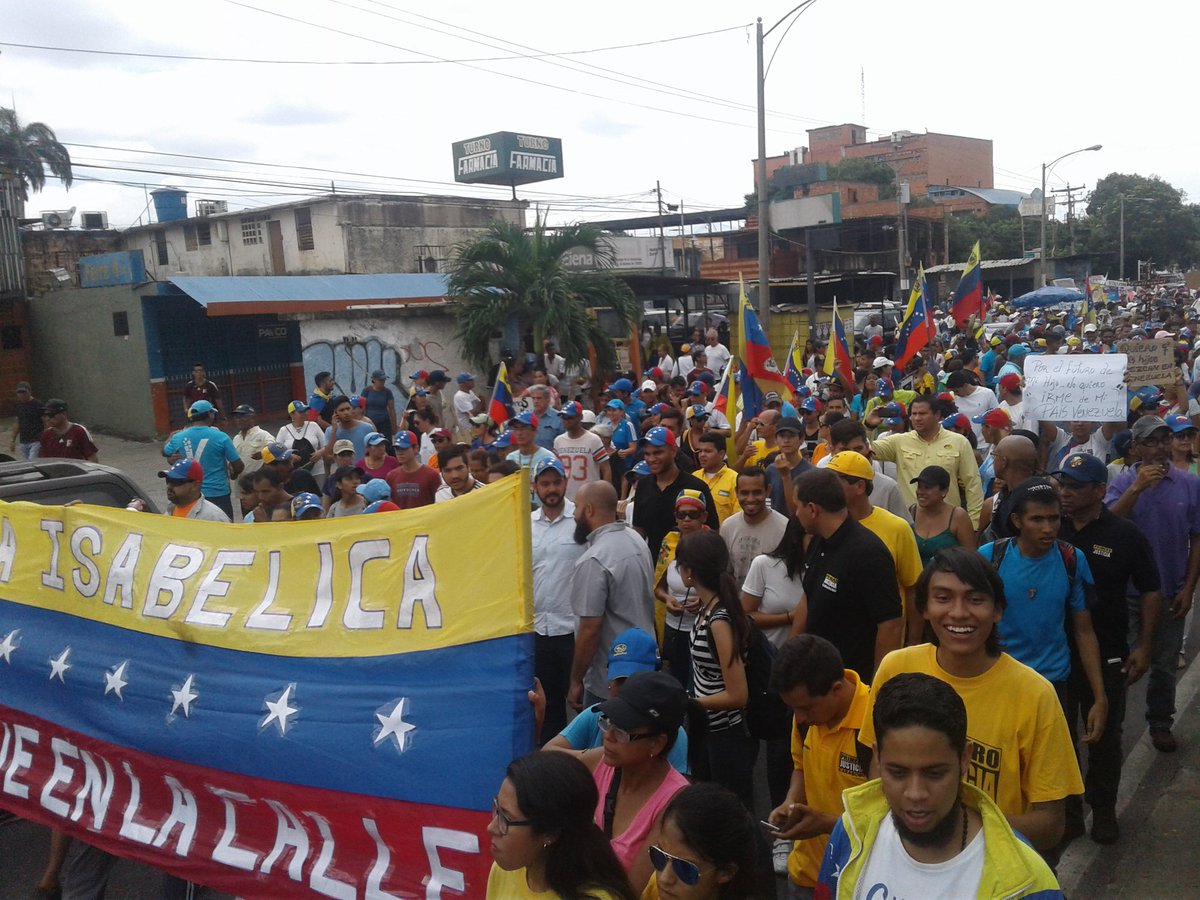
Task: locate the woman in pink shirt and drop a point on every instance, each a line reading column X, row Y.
column 376, row 461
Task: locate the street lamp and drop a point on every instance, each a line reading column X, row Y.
column 764, row 231
column 1121, row 265
column 1046, row 167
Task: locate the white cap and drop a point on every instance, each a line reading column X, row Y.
column 1162, row 334
column 649, row 385
column 880, row 362
column 1090, row 326
column 589, row 417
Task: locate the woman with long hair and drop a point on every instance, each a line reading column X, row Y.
column 719, row 641
column 544, row 841
column 706, row 848
column 936, row 523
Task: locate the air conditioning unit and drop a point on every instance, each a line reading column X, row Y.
column 93, row 221
column 58, row 218
column 211, row 207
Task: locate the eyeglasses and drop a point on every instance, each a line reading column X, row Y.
column 620, row 735
column 1184, row 435
column 1153, row 441
column 503, row 821
column 685, row 870
column 689, row 514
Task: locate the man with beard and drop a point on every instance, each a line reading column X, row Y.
column 612, row 589
column 555, row 553
column 923, row 832
column 456, row 473
column 654, row 497
column 756, row 528
column 183, row 480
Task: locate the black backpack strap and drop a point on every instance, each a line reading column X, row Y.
column 999, row 549
column 610, row 803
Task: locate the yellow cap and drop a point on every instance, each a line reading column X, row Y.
column 852, row 463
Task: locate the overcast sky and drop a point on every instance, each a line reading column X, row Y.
column 1038, row 78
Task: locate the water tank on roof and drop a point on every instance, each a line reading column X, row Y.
column 170, row 204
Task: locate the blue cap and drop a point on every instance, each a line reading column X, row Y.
column 621, row 384
column 1178, row 424
column 375, row 489
column 884, row 387
column 374, row 439
column 1083, row 468
column 184, row 470
column 1018, row 351
column 528, row 419
column 464, row 377
column 642, row 468
column 503, row 442
column 303, row 502
column 698, row 411
column 632, row 651
column 616, row 404
column 659, row 436
column 200, row 408
column 405, row 440
column 572, row 409
column 546, row 465
column 297, row 406
column 698, row 388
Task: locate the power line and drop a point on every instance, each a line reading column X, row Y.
column 535, row 82
column 364, row 62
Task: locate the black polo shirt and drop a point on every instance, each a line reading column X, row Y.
column 654, row 510
column 850, row 583
column 1119, row 556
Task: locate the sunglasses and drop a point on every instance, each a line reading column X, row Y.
column 685, row 870
column 620, row 735
column 688, row 514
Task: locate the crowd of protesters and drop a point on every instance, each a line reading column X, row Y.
column 910, row 604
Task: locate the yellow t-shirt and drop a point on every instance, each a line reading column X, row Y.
column 828, row 757
column 1023, row 753
column 504, row 885
column 897, row 536
column 723, row 487
column 761, row 452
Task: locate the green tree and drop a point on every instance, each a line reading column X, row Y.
column 514, row 272
column 999, row 232
column 1159, row 225
column 27, row 151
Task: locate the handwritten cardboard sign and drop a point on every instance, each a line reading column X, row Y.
column 1076, row 388
column 1150, row 362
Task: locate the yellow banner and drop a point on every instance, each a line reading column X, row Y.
column 369, row 585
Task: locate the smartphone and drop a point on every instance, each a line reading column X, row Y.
column 769, row 826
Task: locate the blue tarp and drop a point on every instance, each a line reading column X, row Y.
column 1047, row 296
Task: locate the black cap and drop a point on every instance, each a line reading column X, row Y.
column 1034, row 490
column 933, row 476
column 789, row 423
column 959, row 378
column 243, row 409
column 54, row 407
column 648, row 699
column 437, row 376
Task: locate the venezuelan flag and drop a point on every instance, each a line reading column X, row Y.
column 795, row 363
column 837, row 354
column 967, row 300
column 915, row 330
column 721, row 398
column 756, row 354
column 501, row 407
column 277, row 710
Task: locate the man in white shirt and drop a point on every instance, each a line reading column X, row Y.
column 555, row 553
column 971, row 400
column 249, row 440
column 466, row 404
column 456, row 473
column 582, row 453
column 718, row 354
column 756, row 529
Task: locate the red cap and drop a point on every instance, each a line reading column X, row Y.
column 997, row 418
column 876, row 341
column 1011, row 381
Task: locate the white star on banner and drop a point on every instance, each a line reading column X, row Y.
column 58, row 667
column 394, row 726
column 9, row 644
column 280, row 711
column 114, row 681
column 183, row 696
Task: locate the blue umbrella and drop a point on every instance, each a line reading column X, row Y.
column 1047, row 296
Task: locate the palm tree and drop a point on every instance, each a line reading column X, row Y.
column 516, row 272
column 27, row 151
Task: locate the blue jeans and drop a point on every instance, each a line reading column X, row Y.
column 1160, row 687
column 31, row 450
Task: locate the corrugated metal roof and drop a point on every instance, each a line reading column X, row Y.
column 984, row 264
column 244, row 294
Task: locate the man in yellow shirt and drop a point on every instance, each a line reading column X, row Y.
column 829, row 703
column 857, row 476
column 929, row 444
column 721, row 480
column 753, row 452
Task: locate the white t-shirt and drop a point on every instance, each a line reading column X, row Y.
column 465, row 406
column 768, row 580
column 891, row 872
column 581, row 458
column 1016, row 412
column 684, row 366
column 746, row 541
column 1096, row 445
column 309, row 431
column 718, row 357
column 682, row 594
column 979, row 402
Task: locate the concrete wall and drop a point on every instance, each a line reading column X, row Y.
column 105, row 379
column 351, row 345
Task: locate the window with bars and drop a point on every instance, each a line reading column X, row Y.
column 203, row 234
column 252, row 231
column 189, row 237
column 159, row 239
column 304, row 229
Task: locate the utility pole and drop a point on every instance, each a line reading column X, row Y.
column 1070, row 190
column 764, row 224
column 662, row 241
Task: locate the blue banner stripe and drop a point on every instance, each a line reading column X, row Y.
column 332, row 723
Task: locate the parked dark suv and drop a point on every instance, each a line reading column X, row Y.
column 53, row 482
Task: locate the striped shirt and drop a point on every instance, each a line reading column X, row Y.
column 707, row 677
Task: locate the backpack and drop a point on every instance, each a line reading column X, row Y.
column 767, row 717
column 1070, row 562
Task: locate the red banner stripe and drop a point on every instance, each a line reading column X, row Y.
column 251, row 837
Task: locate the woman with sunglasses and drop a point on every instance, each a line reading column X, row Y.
column 544, row 841
column 705, row 849
column 679, row 601
column 634, row 778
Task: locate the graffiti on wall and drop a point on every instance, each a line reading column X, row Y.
column 353, row 359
